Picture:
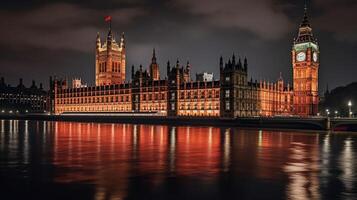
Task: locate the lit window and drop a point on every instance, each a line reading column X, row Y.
column 227, row 105
column 173, row 96
column 227, row 93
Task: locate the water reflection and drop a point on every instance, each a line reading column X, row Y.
column 131, row 161
column 347, row 164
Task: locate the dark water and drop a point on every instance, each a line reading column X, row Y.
column 62, row 160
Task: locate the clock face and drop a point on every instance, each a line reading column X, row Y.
column 301, row 56
column 314, row 57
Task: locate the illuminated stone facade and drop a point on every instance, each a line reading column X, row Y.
column 110, row 61
column 305, row 59
column 178, row 95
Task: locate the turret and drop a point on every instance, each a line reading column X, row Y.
column 109, row 38
column 221, row 63
column 132, row 72
column 245, row 64
column 168, row 68
column 98, row 43
column 188, row 66
column 122, row 41
column 234, row 60
column 33, row 84
column 20, row 83
column 239, row 64
column 153, row 59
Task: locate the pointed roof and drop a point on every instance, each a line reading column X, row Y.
column 305, row 22
column 305, row 31
column 153, row 59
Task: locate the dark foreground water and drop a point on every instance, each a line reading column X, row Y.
column 62, row 160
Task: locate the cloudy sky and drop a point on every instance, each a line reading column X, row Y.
column 39, row 39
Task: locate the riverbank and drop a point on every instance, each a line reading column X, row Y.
column 255, row 122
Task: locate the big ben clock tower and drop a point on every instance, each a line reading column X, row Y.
column 305, row 60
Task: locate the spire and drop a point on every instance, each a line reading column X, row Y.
column 305, row 31
column 188, row 66
column 168, row 68
column 327, row 92
column 122, row 40
column 305, row 22
column 245, row 63
column 153, row 60
column 280, row 77
column 132, row 72
column 221, row 62
column 98, row 44
column 234, row 60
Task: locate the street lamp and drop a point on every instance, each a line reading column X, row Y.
column 336, row 113
column 327, row 112
column 350, row 108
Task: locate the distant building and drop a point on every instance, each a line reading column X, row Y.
column 21, row 99
column 205, row 76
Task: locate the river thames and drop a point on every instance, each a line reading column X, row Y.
column 65, row 160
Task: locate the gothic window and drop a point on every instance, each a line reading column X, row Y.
column 172, row 96
column 227, row 105
column 172, row 106
column 227, row 93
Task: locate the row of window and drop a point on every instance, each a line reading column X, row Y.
column 94, row 100
column 94, row 93
column 201, row 107
column 126, row 108
column 115, row 67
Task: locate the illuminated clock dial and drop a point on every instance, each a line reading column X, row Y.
column 301, row 56
column 314, row 57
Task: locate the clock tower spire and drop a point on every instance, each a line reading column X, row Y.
column 305, row 62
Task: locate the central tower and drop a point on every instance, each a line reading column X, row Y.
column 305, row 61
column 110, row 60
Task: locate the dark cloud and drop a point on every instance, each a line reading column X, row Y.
column 42, row 38
column 59, row 26
column 338, row 17
column 259, row 17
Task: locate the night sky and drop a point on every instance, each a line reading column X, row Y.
column 39, row 39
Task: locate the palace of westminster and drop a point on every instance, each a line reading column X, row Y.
column 176, row 94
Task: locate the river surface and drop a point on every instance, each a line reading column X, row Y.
column 65, row 160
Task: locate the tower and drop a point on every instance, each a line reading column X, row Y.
column 234, row 85
column 110, row 60
column 154, row 68
column 305, row 61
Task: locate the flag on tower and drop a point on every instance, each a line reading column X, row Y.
column 108, row 18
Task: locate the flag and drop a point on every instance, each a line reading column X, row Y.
column 108, row 18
